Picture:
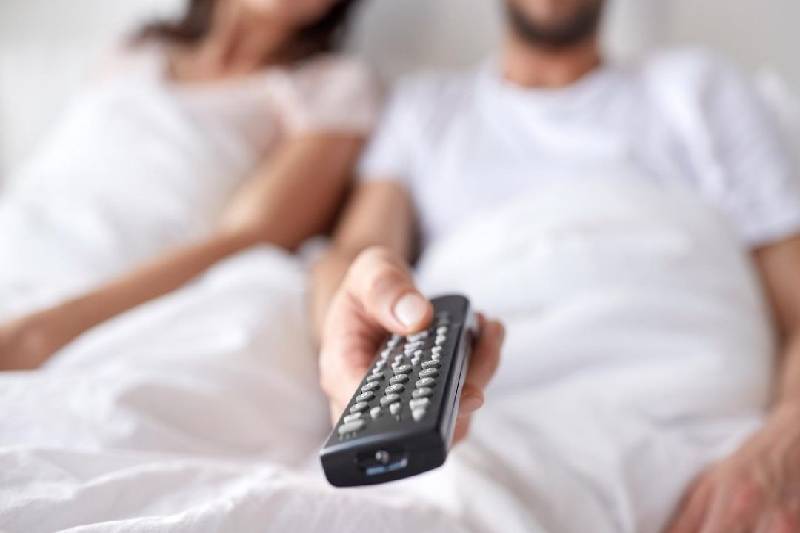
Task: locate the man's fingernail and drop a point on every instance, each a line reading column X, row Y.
column 471, row 404
column 410, row 309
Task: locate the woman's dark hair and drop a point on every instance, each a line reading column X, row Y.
column 324, row 35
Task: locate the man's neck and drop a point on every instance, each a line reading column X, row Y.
column 528, row 66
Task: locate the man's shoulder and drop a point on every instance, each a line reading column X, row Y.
column 693, row 68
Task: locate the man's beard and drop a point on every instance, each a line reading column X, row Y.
column 579, row 28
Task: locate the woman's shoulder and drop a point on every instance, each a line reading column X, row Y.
column 333, row 91
column 334, row 69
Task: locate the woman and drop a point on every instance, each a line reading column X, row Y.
column 236, row 125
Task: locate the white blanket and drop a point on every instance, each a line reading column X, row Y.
column 638, row 351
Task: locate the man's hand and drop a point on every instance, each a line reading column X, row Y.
column 757, row 490
column 378, row 295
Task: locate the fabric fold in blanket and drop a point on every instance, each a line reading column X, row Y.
column 638, row 350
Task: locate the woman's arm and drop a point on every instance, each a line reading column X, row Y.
column 294, row 196
column 380, row 214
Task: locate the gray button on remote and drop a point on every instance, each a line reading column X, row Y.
column 360, row 406
column 370, row 386
column 379, row 377
column 431, row 364
column 422, row 392
column 375, row 412
column 402, row 369
column 394, row 389
column 350, row 418
column 432, row 372
column 351, row 427
column 394, row 408
column 418, row 414
column 365, row 396
column 425, row 382
column 419, row 402
column 399, row 378
column 389, row 398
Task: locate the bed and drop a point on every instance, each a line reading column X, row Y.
column 199, row 412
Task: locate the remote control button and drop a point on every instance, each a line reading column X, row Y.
column 441, row 330
column 386, row 353
column 379, row 377
column 351, row 427
column 419, row 403
column 360, row 406
column 395, row 389
column 375, row 412
column 350, row 418
column 425, row 382
column 436, row 349
column 399, row 378
column 431, row 364
column 418, row 414
column 436, row 357
column 394, row 340
column 429, row 372
column 418, row 353
column 378, row 367
column 415, row 361
column 370, row 386
column 394, row 408
column 389, row 398
column 422, row 392
column 402, row 369
column 365, row 396
column 440, row 339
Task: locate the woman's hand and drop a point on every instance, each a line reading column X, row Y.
column 26, row 343
column 378, row 295
column 757, row 490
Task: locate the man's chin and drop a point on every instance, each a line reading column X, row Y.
column 567, row 32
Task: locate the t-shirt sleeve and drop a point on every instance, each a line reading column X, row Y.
column 331, row 94
column 389, row 155
column 758, row 180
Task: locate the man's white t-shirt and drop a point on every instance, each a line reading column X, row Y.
column 466, row 142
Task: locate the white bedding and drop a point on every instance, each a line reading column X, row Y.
column 638, row 351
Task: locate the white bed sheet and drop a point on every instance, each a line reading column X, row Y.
column 622, row 377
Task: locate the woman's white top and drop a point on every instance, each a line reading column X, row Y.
column 140, row 163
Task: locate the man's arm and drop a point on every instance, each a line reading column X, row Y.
column 779, row 265
column 294, row 196
column 755, row 489
column 380, row 214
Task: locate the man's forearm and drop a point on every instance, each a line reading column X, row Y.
column 327, row 276
column 789, row 371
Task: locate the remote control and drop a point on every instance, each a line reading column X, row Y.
column 401, row 418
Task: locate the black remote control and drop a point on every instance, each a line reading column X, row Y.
column 400, row 421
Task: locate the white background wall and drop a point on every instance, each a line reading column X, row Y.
column 46, row 46
column 756, row 32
